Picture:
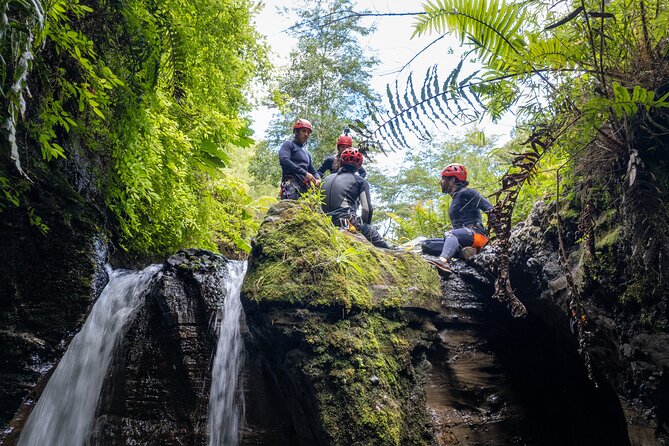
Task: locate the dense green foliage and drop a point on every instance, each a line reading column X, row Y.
column 327, row 80
column 154, row 94
column 589, row 84
column 169, row 185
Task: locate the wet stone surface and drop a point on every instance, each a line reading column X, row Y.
column 157, row 390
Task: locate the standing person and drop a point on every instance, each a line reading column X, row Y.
column 344, row 191
column 465, row 214
column 332, row 163
column 297, row 171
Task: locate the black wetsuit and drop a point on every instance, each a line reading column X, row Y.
column 465, row 213
column 295, row 164
column 328, row 165
column 465, row 209
column 344, row 191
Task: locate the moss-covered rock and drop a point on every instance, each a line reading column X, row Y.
column 299, row 257
column 339, row 325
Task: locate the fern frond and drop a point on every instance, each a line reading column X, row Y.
column 174, row 57
column 491, row 25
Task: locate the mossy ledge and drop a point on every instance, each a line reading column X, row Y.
column 340, row 327
column 300, row 258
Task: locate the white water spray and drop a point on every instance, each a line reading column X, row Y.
column 226, row 403
column 64, row 413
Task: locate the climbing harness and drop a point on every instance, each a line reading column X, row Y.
column 346, row 224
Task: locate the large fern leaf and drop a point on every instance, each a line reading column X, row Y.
column 490, row 25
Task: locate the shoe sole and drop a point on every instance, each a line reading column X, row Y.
column 440, row 267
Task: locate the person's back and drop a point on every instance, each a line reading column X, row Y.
column 465, row 209
column 344, row 191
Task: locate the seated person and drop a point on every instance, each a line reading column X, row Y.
column 465, row 213
column 344, row 190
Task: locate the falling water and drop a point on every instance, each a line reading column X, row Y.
column 64, row 413
column 225, row 404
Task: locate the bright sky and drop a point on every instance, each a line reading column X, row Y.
column 392, row 44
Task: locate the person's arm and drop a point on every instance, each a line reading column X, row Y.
column 289, row 167
column 312, row 169
column 362, row 172
column 366, row 203
column 327, row 165
column 483, row 204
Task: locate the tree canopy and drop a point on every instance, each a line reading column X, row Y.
column 589, row 84
column 327, row 80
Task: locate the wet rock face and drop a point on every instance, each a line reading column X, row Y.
column 336, row 381
column 337, row 338
column 158, row 389
column 629, row 358
column 47, row 284
column 495, row 379
column 453, row 369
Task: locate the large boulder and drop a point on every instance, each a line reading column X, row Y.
column 157, row 389
column 337, row 330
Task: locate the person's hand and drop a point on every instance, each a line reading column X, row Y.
column 310, row 179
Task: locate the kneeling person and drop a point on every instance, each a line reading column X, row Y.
column 344, row 190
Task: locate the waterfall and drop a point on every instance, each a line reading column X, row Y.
column 226, row 405
column 64, row 413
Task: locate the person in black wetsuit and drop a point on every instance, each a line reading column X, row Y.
column 465, row 213
column 331, row 162
column 344, row 190
column 297, row 171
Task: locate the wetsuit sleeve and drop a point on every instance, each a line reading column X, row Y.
column 312, row 169
column 366, row 203
column 483, row 204
column 327, row 165
column 288, row 166
column 362, row 172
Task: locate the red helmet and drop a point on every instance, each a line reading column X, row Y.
column 303, row 124
column 344, row 140
column 351, row 157
column 456, row 170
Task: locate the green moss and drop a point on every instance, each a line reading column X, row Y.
column 607, row 217
column 639, row 292
column 610, row 238
column 362, row 374
column 300, row 257
column 359, row 362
